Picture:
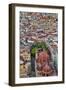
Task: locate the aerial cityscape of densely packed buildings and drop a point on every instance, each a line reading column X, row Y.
column 38, row 27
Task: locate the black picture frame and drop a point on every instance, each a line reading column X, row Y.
column 12, row 43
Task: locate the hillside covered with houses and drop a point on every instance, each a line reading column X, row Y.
column 38, row 44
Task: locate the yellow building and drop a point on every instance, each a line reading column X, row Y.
column 26, row 55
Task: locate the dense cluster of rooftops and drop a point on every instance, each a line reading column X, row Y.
column 37, row 27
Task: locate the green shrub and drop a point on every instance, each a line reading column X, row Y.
column 38, row 45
